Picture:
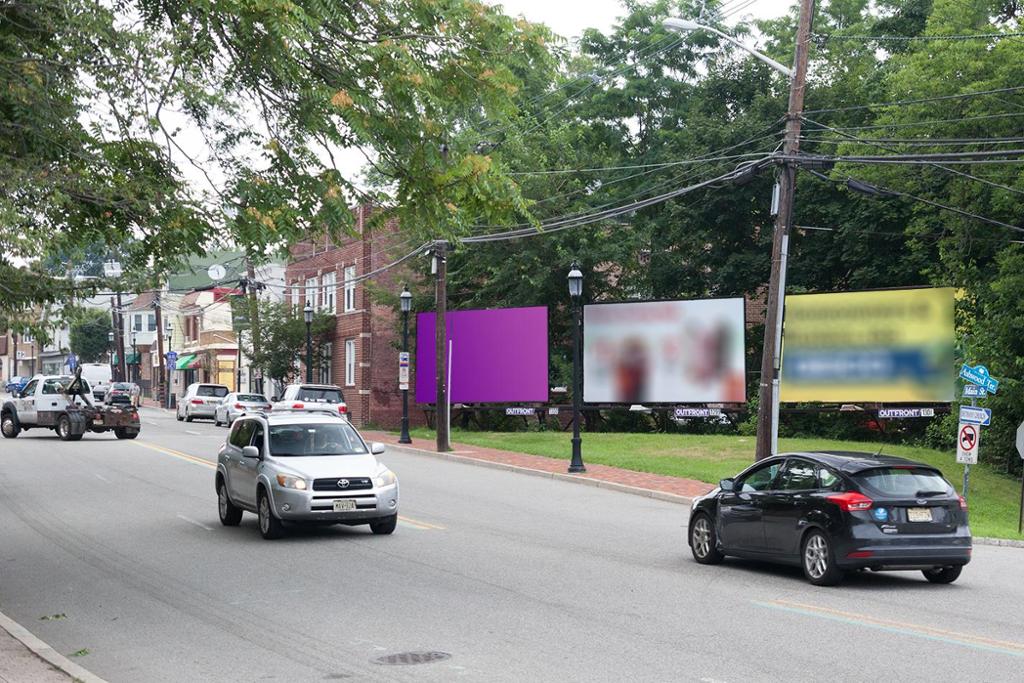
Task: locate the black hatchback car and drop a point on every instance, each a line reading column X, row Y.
column 831, row 512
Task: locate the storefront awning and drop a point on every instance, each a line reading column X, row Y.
column 188, row 362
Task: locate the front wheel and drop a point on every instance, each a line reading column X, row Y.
column 942, row 574
column 703, row 542
column 384, row 525
column 270, row 526
column 9, row 427
column 819, row 561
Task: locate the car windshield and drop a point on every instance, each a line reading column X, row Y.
column 903, row 481
column 120, row 386
column 319, row 395
column 211, row 390
column 300, row 440
column 251, row 398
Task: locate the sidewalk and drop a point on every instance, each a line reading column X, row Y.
column 675, row 489
column 26, row 659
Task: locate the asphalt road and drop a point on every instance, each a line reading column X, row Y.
column 515, row 577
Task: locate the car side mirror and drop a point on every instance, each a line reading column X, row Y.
column 727, row 485
column 377, row 448
column 250, row 452
column 274, row 399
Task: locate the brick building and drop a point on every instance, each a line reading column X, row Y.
column 363, row 354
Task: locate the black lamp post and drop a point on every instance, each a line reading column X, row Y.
column 110, row 354
column 406, row 299
column 138, row 363
column 168, row 333
column 308, row 313
column 575, row 292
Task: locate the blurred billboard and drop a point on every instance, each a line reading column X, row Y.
column 497, row 356
column 664, row 352
column 888, row 346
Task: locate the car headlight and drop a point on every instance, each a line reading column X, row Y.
column 385, row 478
column 291, row 482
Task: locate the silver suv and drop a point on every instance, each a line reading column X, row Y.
column 306, row 468
column 200, row 400
column 311, row 397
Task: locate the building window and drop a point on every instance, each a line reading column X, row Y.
column 310, row 292
column 326, row 374
column 350, row 362
column 329, row 299
column 137, row 322
column 350, row 289
column 151, row 323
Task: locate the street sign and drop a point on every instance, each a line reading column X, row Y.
column 900, row 413
column 522, row 412
column 967, row 441
column 553, row 410
column 697, row 412
column 1020, row 440
column 979, row 375
column 403, row 368
column 974, row 391
column 172, row 357
column 978, row 416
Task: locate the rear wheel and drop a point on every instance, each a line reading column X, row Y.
column 270, row 526
column 64, row 429
column 819, row 561
column 942, row 574
column 8, row 426
column 384, row 525
column 124, row 433
column 703, row 542
column 229, row 514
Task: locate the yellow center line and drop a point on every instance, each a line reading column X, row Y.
column 206, row 463
column 931, row 630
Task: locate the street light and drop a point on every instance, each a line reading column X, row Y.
column 685, row 25
column 307, row 312
column 110, row 354
column 575, row 292
column 135, row 351
column 406, row 300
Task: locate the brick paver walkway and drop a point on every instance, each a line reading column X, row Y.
column 676, row 486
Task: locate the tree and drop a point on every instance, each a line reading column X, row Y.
column 281, row 346
column 88, row 335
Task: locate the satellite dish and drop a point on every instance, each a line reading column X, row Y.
column 216, row 271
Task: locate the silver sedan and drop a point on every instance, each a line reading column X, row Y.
column 236, row 404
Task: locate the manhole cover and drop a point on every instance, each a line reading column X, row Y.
column 413, row 658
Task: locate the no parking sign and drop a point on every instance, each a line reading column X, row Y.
column 967, row 440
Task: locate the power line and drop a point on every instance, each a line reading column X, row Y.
column 638, row 166
column 916, row 124
column 822, row 38
column 922, row 100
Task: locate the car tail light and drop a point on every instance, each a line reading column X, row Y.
column 343, row 409
column 197, row 401
column 851, row 501
column 298, row 406
column 963, row 503
column 268, row 407
column 859, row 554
column 239, row 406
column 135, row 416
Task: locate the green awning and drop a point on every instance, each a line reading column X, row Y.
column 132, row 358
column 184, row 361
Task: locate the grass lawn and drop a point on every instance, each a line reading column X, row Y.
column 993, row 498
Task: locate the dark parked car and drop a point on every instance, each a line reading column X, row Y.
column 834, row 512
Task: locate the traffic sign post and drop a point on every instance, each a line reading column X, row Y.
column 973, row 415
column 968, row 439
column 968, row 434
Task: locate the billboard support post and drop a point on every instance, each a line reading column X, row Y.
column 767, row 416
column 441, row 293
column 575, row 294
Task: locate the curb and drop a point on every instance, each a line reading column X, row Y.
column 575, row 479
column 1004, row 542
column 47, row 653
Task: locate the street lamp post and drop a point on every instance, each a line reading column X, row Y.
column 135, row 352
column 575, row 293
column 406, row 299
column 168, row 329
column 307, row 312
column 110, row 354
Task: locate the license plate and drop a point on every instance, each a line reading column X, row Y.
column 919, row 514
column 344, row 505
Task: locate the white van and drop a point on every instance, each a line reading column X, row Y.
column 99, row 377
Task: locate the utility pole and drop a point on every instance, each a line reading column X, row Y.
column 254, row 322
column 768, row 389
column 441, row 343
column 158, row 393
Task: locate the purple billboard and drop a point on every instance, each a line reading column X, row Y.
column 497, row 356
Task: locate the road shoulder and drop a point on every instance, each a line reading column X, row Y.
column 24, row 658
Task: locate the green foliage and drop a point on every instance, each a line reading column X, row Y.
column 281, row 346
column 88, row 335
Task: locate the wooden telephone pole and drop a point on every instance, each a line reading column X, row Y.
column 441, row 345
column 768, row 389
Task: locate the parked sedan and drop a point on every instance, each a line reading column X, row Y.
column 834, row 512
column 200, row 400
column 16, row 384
column 234, row 405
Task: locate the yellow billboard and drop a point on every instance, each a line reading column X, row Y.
column 891, row 346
